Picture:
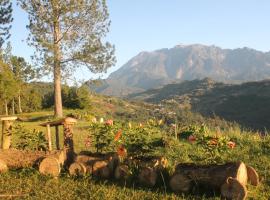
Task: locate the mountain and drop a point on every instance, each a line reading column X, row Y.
column 186, row 62
column 247, row 104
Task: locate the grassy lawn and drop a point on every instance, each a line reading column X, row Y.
column 252, row 149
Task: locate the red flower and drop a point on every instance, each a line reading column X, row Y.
column 109, row 122
column 191, row 138
column 118, row 135
column 231, row 144
column 121, row 151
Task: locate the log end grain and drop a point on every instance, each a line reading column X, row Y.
column 233, row 189
column 253, row 177
column 50, row 166
column 241, row 175
column 77, row 169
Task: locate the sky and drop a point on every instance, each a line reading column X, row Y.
column 147, row 25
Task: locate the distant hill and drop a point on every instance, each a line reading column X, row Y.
column 246, row 103
column 186, row 62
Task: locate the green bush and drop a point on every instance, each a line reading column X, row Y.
column 29, row 139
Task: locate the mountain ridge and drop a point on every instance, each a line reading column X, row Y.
column 187, row 62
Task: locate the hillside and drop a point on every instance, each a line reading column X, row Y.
column 186, row 62
column 246, row 103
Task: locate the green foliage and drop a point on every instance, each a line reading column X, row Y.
column 136, row 138
column 31, row 99
column 213, row 145
column 29, row 139
column 8, row 85
column 5, row 20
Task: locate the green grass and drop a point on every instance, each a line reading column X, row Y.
column 250, row 148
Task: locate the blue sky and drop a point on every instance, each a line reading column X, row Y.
column 146, row 25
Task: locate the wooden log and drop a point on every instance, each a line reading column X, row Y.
column 122, row 172
column 17, row 159
column 68, row 143
column 180, row 183
column 213, row 176
column 253, row 177
column 147, row 176
column 77, row 169
column 3, row 167
column 101, row 169
column 157, row 162
column 233, row 189
column 89, row 158
column 50, row 166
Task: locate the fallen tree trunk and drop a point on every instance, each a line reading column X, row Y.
column 16, row 159
column 230, row 178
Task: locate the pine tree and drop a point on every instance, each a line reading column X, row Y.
column 5, row 20
column 69, row 34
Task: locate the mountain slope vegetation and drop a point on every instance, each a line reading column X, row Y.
column 246, row 103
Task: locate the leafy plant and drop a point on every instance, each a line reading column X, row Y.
column 29, row 139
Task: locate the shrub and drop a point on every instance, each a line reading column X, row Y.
column 29, row 139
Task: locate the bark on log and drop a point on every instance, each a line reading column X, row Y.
column 3, row 167
column 150, row 169
column 213, row 176
column 122, row 172
column 16, row 159
column 233, row 189
column 101, row 169
column 253, row 177
column 157, row 162
column 148, row 176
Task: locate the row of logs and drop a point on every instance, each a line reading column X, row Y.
column 230, row 178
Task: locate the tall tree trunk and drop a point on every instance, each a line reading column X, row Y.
column 58, row 110
column 6, row 107
column 19, row 103
column 13, row 106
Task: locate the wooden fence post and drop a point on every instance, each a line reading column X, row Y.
column 6, row 131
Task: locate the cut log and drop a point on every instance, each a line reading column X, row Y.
column 122, row 172
column 17, row 159
column 101, row 169
column 3, row 167
column 157, row 162
column 233, row 189
column 213, row 176
column 148, row 176
column 50, row 166
column 180, row 183
column 253, row 177
column 77, row 169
